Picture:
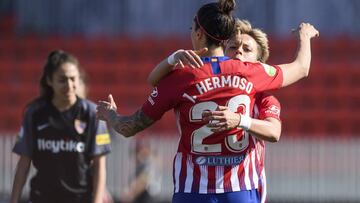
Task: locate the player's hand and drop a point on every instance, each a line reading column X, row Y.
column 306, row 30
column 190, row 58
column 105, row 109
column 222, row 119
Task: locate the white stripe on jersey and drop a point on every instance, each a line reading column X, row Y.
column 189, row 174
column 177, row 116
column 263, row 185
column 257, row 152
column 246, row 169
column 255, row 175
column 177, row 165
column 234, row 179
column 219, row 173
column 203, row 180
column 256, row 111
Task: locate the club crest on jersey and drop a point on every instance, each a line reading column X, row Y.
column 270, row 70
column 79, row 126
column 241, row 109
column 154, row 92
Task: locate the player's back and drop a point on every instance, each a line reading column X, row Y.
column 209, row 162
column 230, row 83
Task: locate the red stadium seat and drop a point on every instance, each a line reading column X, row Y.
column 128, row 95
column 12, row 118
column 7, row 71
column 29, row 71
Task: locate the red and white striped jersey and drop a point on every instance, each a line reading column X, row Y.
column 265, row 106
column 208, row 162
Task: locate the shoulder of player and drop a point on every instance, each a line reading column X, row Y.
column 184, row 73
column 237, row 63
column 37, row 105
column 266, row 98
column 248, row 63
column 87, row 105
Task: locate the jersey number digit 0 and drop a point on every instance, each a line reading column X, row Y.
column 231, row 141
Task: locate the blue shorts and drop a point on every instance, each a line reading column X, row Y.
column 246, row 196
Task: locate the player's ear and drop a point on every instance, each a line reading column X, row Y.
column 200, row 33
column 48, row 81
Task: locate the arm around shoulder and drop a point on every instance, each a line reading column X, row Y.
column 130, row 125
column 268, row 129
column 125, row 125
column 300, row 67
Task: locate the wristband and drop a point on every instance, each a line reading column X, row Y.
column 171, row 58
column 245, row 122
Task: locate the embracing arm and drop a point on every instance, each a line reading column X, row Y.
column 125, row 125
column 161, row 69
column 21, row 174
column 129, row 125
column 268, row 129
column 181, row 57
column 300, row 67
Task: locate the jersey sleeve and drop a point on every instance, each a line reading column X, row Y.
column 25, row 141
column 264, row 76
column 269, row 106
column 102, row 143
column 165, row 95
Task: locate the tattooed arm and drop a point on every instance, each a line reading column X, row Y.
column 129, row 125
column 126, row 125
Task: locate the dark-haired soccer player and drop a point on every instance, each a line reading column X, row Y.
column 62, row 138
column 207, row 166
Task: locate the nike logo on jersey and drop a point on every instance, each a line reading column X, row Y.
column 191, row 98
column 216, row 82
column 273, row 110
column 43, row 126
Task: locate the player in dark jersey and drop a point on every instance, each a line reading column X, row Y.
column 189, row 92
column 63, row 140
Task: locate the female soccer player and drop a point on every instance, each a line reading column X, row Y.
column 207, row 166
column 62, row 138
column 247, row 44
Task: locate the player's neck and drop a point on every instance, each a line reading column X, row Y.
column 214, row 51
column 63, row 104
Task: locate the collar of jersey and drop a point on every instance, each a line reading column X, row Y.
column 213, row 59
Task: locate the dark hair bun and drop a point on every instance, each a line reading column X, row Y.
column 55, row 54
column 227, row 6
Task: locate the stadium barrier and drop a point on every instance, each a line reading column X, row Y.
column 298, row 170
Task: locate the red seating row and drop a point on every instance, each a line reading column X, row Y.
column 282, row 50
column 327, row 102
column 328, row 75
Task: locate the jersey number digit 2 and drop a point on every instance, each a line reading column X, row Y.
column 231, row 141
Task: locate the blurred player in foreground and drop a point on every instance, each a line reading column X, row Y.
column 62, row 138
column 208, row 165
column 138, row 189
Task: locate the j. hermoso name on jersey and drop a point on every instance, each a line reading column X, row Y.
column 224, row 81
